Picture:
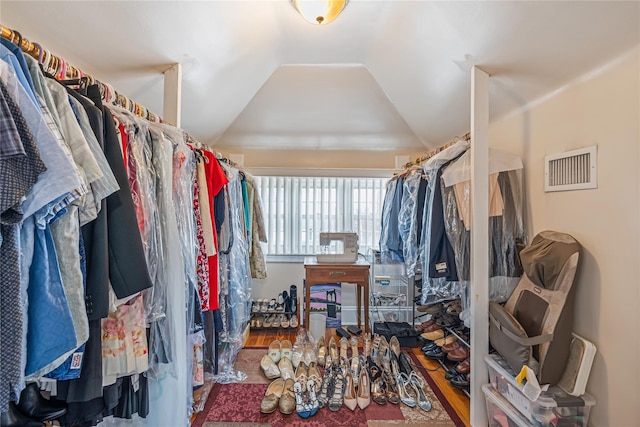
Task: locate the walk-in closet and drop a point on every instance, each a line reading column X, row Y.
column 319, row 212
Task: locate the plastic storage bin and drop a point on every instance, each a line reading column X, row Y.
column 500, row 412
column 555, row 407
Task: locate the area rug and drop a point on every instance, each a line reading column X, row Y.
column 238, row 405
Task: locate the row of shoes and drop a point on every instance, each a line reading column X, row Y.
column 274, row 321
column 442, row 346
column 286, row 302
column 32, row 410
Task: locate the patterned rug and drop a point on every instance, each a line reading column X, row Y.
column 238, row 405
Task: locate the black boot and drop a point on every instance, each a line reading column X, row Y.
column 14, row 418
column 34, row 405
column 293, row 296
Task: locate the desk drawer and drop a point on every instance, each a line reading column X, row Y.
column 337, row 274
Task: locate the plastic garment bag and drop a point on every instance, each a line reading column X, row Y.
column 386, row 216
column 435, row 286
column 507, row 231
column 143, row 181
column 407, row 220
column 235, row 279
column 169, row 380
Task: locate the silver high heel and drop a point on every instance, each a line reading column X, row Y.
column 401, row 381
column 418, row 384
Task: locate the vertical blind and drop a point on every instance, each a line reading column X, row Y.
column 297, row 209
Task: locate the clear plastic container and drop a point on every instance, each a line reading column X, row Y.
column 552, row 408
column 500, row 412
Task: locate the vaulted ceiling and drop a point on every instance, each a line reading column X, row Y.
column 386, row 75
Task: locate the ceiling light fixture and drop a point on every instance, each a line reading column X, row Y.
column 319, row 12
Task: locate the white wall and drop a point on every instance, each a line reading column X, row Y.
column 604, row 110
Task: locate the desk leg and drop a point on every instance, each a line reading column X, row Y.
column 307, row 303
column 359, row 302
column 365, row 288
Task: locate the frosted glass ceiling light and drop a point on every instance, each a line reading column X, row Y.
column 319, row 12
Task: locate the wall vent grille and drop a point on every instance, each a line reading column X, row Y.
column 571, row 170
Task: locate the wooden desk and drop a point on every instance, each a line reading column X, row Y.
column 320, row 273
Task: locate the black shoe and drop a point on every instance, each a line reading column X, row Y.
column 34, row 405
column 435, row 353
column 461, row 381
column 429, row 346
column 451, row 373
column 14, row 418
column 405, row 364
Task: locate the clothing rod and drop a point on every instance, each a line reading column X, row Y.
column 58, row 68
column 417, row 161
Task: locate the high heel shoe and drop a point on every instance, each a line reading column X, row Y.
column 302, row 408
column 418, row 384
column 313, row 400
column 322, row 351
column 335, row 402
column 344, row 345
column 378, row 394
column 326, row 389
column 354, row 347
column 333, row 350
column 350, row 398
column 401, row 381
column 391, row 388
column 394, row 345
column 384, row 353
column 367, row 346
column 364, row 389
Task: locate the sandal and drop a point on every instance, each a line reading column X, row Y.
column 326, row 388
column 322, row 350
column 276, row 321
column 401, row 381
column 378, row 394
column 337, row 397
column 313, row 399
column 344, row 345
column 302, row 408
column 259, row 320
column 268, row 321
column 293, row 322
column 418, row 384
column 284, row 321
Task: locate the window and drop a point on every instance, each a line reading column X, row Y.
column 297, row 209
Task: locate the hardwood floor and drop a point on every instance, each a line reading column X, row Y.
column 456, row 398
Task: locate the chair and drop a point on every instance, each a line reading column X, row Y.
column 534, row 326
